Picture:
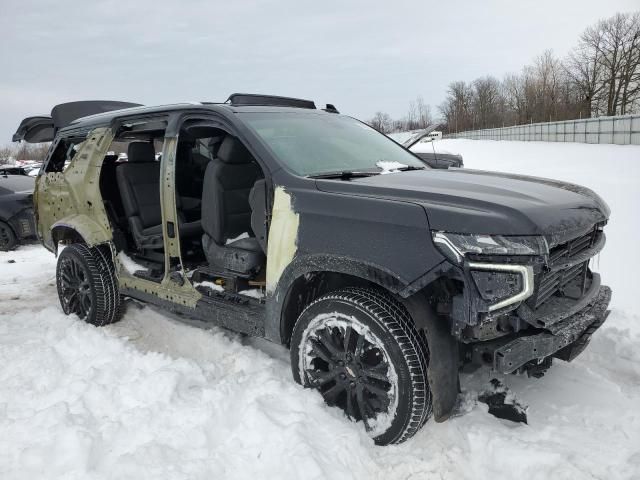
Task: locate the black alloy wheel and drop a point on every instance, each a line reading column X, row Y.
column 350, row 371
column 75, row 290
column 360, row 349
column 8, row 239
column 87, row 284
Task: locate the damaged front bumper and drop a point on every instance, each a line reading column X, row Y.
column 564, row 340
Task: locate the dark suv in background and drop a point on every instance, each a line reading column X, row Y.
column 273, row 218
column 17, row 223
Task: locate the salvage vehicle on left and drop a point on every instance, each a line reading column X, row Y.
column 4, row 170
column 17, row 222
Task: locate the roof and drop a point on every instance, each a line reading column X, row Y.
column 107, row 117
column 102, row 119
column 80, row 116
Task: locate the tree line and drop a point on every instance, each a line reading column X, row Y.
column 418, row 116
column 600, row 76
column 23, row 151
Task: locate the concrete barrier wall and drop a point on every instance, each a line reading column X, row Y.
column 620, row 130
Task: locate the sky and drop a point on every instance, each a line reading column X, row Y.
column 362, row 56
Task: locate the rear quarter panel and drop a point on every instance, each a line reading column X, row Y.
column 72, row 198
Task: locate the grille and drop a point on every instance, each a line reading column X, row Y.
column 563, row 281
column 572, row 247
column 553, row 283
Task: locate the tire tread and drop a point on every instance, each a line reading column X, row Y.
column 103, row 278
column 396, row 320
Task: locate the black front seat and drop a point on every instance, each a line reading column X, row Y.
column 226, row 213
column 139, row 183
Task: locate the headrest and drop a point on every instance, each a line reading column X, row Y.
column 141, row 152
column 214, row 144
column 233, row 151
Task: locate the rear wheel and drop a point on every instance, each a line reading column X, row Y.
column 359, row 348
column 87, row 286
column 8, row 239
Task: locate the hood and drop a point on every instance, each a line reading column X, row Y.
column 475, row 201
column 10, row 184
column 419, row 135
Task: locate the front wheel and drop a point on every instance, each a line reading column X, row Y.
column 360, row 349
column 8, row 239
column 87, row 285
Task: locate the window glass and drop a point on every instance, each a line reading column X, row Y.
column 311, row 144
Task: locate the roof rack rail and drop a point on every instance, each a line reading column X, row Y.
column 269, row 101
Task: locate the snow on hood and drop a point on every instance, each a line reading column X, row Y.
column 389, row 167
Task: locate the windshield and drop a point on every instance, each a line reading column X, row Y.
column 311, row 144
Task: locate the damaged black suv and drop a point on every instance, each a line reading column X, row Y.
column 273, row 218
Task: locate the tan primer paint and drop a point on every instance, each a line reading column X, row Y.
column 168, row 289
column 283, row 235
column 72, row 198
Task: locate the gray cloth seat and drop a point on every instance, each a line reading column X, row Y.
column 257, row 201
column 226, row 213
column 139, row 183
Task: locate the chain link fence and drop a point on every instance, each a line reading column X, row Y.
column 619, row 130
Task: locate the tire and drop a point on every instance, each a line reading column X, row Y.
column 8, row 239
column 379, row 375
column 87, row 284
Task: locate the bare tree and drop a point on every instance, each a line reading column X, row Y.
column 515, row 99
column 411, row 119
column 584, row 68
column 601, row 76
column 547, row 71
column 39, row 151
column 487, row 102
column 30, row 151
column 618, row 49
column 423, row 112
column 382, row 122
column 6, row 154
column 457, row 107
column 630, row 74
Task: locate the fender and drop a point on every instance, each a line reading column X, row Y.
column 303, row 265
column 89, row 230
column 443, row 347
column 442, row 372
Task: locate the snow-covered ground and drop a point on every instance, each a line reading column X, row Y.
column 152, row 398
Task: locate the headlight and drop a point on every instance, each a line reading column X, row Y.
column 455, row 246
